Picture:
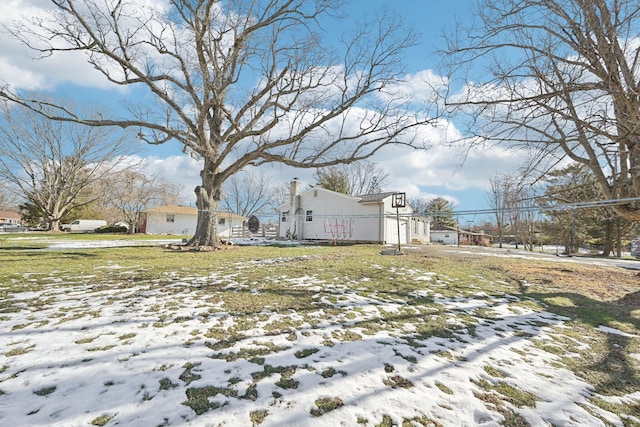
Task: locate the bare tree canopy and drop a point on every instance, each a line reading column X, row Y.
column 250, row 193
column 358, row 178
column 131, row 192
column 240, row 82
column 51, row 164
column 560, row 78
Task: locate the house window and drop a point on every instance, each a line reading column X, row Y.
column 284, row 216
column 221, row 221
column 171, row 218
column 309, row 216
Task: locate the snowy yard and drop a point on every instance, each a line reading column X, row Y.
column 292, row 339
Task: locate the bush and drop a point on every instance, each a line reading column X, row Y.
column 111, row 229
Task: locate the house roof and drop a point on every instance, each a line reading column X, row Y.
column 377, row 197
column 446, row 228
column 10, row 214
column 318, row 188
column 187, row 210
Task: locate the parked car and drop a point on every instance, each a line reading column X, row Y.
column 635, row 247
column 7, row 227
column 84, row 225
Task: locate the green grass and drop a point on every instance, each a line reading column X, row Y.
column 326, row 404
column 509, row 393
column 102, row 420
column 257, row 417
column 198, row 398
column 397, row 381
column 443, row 388
column 45, row 391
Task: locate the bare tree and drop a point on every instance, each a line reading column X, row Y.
column 131, row 192
column 8, row 200
column 240, row 82
column 528, row 214
column 420, row 205
column 53, row 164
column 358, row 178
column 249, row 194
column 560, row 78
column 497, row 199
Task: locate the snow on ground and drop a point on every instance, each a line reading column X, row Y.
column 83, row 244
column 78, row 353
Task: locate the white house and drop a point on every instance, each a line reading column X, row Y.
column 458, row 236
column 321, row 214
column 175, row 219
column 446, row 235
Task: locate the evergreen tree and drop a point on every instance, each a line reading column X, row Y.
column 441, row 211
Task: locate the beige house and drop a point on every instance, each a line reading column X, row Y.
column 10, row 217
column 182, row 220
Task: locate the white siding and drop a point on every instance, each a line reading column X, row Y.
column 157, row 223
column 327, row 215
column 449, row 237
column 185, row 224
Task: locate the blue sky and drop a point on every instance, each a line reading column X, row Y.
column 437, row 172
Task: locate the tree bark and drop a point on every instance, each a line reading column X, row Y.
column 608, row 238
column 208, row 197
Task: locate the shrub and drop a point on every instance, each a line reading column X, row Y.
column 111, row 229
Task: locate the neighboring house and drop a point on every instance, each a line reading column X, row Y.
column 175, row 219
column 10, row 217
column 321, row 214
column 458, row 236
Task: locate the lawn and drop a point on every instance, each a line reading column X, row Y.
column 313, row 335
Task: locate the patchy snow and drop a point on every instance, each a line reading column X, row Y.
column 84, row 244
column 614, row 331
column 132, row 354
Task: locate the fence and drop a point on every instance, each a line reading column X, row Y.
column 242, row 231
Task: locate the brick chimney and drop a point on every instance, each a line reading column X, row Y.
column 294, row 205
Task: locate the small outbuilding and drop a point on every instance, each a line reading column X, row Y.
column 458, row 236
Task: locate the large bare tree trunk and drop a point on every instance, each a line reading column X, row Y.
column 608, row 238
column 208, row 197
column 54, row 224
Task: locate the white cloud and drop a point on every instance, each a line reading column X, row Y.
column 19, row 66
column 441, row 171
column 181, row 170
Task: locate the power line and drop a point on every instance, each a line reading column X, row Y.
column 539, row 208
column 533, row 208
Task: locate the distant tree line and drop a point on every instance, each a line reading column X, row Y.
column 528, row 213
